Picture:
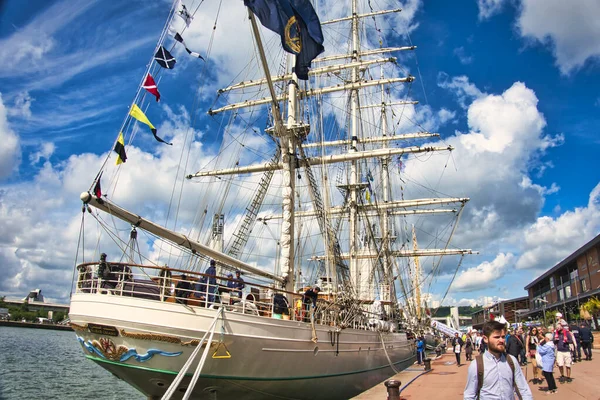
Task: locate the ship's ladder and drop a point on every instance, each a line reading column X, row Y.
column 210, row 333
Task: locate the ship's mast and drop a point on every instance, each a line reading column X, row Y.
column 288, row 146
column 352, row 148
column 386, row 234
column 417, row 276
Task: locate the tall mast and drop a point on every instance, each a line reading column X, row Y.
column 288, row 147
column 352, row 149
column 288, row 150
column 385, row 226
column 417, row 277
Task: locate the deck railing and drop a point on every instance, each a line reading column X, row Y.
column 194, row 289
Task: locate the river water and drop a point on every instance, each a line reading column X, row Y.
column 47, row 364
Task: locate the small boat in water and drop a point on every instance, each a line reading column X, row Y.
column 310, row 210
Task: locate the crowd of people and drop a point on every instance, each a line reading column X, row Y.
column 495, row 372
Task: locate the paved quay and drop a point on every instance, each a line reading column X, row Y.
column 447, row 381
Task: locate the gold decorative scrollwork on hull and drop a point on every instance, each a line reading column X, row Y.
column 158, row 337
column 108, row 348
column 77, row 327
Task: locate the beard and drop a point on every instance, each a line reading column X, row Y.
column 497, row 348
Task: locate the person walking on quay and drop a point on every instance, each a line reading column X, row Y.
column 457, row 344
column 495, row 374
column 576, row 349
column 513, row 345
column 482, row 344
column 420, row 350
column 586, row 339
column 478, row 341
column 521, row 337
column 531, row 343
column 469, row 348
column 563, row 340
column 546, row 351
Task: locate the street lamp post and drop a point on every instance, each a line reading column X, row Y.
column 544, row 309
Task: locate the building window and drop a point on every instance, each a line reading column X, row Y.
column 551, row 282
column 567, row 292
column 560, row 295
column 583, row 285
column 574, row 275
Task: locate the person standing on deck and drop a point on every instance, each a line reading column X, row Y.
column 239, row 284
column 500, row 373
column 211, row 271
column 105, row 273
column 310, row 297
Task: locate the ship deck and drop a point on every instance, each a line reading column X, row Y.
column 447, row 381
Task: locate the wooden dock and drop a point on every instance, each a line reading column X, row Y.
column 447, row 381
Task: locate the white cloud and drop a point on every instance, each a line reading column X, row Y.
column 572, row 32
column 446, row 115
column 461, row 87
column 484, row 274
column 22, row 105
column 489, row 8
column 10, row 149
column 462, row 57
column 549, row 240
column 46, row 150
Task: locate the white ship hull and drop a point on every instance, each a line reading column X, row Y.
column 270, row 358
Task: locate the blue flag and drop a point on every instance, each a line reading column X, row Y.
column 298, row 25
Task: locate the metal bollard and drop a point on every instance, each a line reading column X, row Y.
column 393, row 389
column 427, row 364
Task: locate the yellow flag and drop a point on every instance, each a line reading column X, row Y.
column 140, row 116
column 120, row 149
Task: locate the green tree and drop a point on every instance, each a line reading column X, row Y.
column 590, row 308
column 58, row 316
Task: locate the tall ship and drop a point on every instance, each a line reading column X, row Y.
column 286, row 260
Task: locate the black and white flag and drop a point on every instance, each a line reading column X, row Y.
column 164, row 58
column 193, row 53
column 184, row 14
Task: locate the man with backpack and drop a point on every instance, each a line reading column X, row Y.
column 494, row 374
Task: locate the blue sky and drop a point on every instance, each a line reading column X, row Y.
column 513, row 85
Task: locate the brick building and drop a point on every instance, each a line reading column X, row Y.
column 568, row 284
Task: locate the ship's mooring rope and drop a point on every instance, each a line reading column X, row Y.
column 387, row 355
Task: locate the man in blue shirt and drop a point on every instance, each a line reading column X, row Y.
column 212, row 280
column 585, row 334
column 238, row 284
column 501, row 376
column 420, row 350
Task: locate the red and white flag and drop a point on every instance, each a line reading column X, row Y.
column 150, row 86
